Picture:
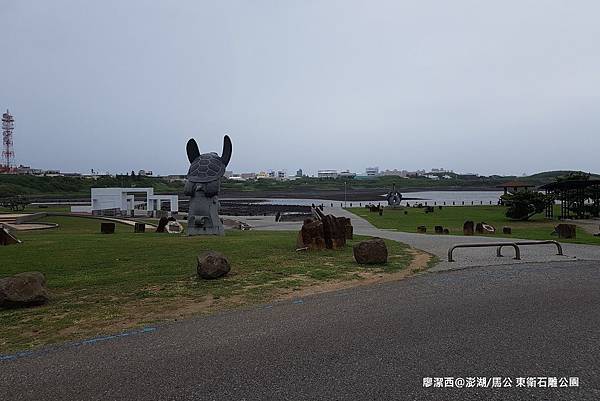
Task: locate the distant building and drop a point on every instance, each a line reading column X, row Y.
column 395, row 173
column 121, row 201
column 27, row 170
column 327, row 174
column 415, row 173
column 248, row 176
column 347, row 174
column 143, row 173
column 441, row 170
column 281, row 174
column 299, row 173
column 372, row 171
column 175, row 178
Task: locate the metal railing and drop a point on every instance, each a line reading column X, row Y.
column 558, row 246
column 483, row 245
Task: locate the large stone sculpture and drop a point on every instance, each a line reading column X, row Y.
column 324, row 232
column 203, row 184
column 394, row 197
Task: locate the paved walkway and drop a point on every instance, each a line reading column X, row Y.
column 439, row 244
column 366, row 343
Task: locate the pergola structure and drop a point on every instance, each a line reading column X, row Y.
column 578, row 198
column 515, row 186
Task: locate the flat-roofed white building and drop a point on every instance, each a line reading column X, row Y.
column 347, row 174
column 121, row 201
column 327, row 174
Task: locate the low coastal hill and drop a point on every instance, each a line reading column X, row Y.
column 305, row 187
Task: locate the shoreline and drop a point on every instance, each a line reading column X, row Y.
column 366, row 194
column 353, row 195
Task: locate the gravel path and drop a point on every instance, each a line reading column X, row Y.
column 438, row 245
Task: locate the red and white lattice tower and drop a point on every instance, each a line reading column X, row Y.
column 8, row 154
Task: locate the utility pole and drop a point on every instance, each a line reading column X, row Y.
column 345, row 196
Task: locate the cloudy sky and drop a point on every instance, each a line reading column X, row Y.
column 474, row 86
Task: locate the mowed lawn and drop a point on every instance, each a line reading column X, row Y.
column 107, row 283
column 453, row 218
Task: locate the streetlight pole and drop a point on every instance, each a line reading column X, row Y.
column 345, row 194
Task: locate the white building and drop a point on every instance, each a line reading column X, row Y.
column 395, row 173
column 327, row 174
column 121, row 201
column 372, row 171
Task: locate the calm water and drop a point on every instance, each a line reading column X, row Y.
column 431, row 197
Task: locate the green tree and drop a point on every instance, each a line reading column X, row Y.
column 525, row 204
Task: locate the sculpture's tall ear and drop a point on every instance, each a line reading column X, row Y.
column 226, row 155
column 192, row 150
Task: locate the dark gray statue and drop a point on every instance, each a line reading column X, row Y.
column 203, row 184
column 394, row 197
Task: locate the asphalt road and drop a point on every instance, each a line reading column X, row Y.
column 376, row 342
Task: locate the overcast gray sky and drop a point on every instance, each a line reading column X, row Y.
column 484, row 86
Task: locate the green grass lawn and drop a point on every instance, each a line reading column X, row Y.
column 453, row 218
column 107, row 283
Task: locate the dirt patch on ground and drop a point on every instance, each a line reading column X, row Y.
column 149, row 310
column 420, row 262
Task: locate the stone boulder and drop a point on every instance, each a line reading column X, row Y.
column 212, row 265
column 335, row 231
column 484, row 228
column 469, row 228
column 24, row 289
column 311, row 235
column 349, row 230
column 372, row 251
column 162, row 225
column 174, row 227
column 107, row 228
column 329, row 232
column 566, row 230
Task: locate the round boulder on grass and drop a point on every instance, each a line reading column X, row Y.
column 212, row 265
column 24, row 289
column 371, row 251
